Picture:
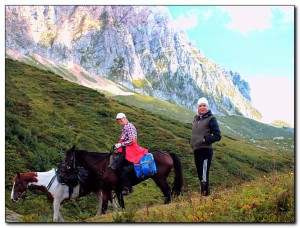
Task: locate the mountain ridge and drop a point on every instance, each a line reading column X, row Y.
column 135, row 47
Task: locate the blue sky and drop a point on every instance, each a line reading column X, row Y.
column 256, row 41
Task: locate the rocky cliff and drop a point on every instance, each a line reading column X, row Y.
column 124, row 48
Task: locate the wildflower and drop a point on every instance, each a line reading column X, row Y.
column 201, row 207
column 246, row 207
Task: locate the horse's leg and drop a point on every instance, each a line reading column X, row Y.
column 104, row 201
column 56, row 207
column 99, row 199
column 164, row 187
column 113, row 202
column 120, row 199
column 60, row 217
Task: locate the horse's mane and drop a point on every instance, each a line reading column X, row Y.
column 26, row 176
column 93, row 153
column 94, row 156
column 97, row 156
column 29, row 174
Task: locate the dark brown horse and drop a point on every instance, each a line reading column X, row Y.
column 108, row 180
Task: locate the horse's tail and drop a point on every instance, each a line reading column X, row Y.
column 178, row 181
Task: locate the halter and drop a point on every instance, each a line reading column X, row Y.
column 24, row 196
column 71, row 161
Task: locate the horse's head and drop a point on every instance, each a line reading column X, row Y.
column 70, row 157
column 91, row 161
column 19, row 186
column 69, row 163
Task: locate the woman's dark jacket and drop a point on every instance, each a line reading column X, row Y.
column 205, row 131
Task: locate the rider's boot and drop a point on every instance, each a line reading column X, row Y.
column 205, row 191
column 127, row 186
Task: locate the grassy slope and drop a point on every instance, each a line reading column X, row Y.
column 264, row 200
column 45, row 115
column 236, row 126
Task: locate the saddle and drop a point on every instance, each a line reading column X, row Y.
column 72, row 177
column 113, row 161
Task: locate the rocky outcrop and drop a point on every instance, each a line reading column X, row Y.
column 11, row 216
column 134, row 46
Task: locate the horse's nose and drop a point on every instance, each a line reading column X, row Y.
column 14, row 198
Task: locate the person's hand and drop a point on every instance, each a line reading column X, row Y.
column 118, row 145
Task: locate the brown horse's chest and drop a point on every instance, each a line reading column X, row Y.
column 108, row 178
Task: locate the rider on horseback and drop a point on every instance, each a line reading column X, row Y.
column 132, row 152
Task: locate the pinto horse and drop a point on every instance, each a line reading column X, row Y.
column 55, row 191
column 99, row 164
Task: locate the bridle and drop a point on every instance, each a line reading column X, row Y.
column 29, row 187
column 72, row 163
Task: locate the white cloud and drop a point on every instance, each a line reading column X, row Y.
column 273, row 97
column 245, row 19
column 186, row 22
column 191, row 21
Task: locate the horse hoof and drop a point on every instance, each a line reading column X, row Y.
column 167, row 201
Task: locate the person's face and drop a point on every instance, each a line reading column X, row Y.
column 202, row 108
column 122, row 121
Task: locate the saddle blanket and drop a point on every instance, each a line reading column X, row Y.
column 146, row 167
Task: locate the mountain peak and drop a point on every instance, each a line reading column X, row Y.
column 136, row 47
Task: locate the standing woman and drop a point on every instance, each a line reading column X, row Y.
column 205, row 131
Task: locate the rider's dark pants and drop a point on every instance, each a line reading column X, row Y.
column 121, row 162
column 203, row 159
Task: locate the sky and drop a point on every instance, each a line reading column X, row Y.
column 256, row 41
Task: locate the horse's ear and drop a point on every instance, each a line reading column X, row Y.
column 71, row 150
column 19, row 175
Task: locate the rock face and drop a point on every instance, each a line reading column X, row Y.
column 11, row 216
column 133, row 46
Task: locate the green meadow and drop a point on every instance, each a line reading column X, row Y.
column 251, row 174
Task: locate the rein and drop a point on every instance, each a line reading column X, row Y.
column 109, row 154
column 30, row 188
column 24, row 196
column 90, row 165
